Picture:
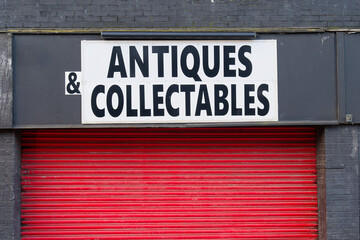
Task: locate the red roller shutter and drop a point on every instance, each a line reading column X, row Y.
column 196, row 183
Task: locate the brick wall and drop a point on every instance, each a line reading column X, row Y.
column 342, row 182
column 178, row 14
column 9, row 185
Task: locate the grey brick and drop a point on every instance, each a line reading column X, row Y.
column 109, row 19
column 342, row 182
column 48, row 25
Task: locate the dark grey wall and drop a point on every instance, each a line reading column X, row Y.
column 351, row 80
column 9, row 185
column 342, row 182
column 178, row 13
column 39, row 73
column 306, row 78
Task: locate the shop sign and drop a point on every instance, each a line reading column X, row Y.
column 176, row 81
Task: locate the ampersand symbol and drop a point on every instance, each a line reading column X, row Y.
column 72, row 87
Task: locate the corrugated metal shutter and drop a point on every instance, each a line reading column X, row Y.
column 198, row 183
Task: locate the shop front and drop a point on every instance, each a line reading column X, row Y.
column 174, row 135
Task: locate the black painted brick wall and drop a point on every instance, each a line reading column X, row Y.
column 9, row 185
column 342, row 182
column 178, row 13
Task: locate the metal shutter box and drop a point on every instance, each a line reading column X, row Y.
column 185, row 183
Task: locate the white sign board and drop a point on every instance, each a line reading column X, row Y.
column 178, row 81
